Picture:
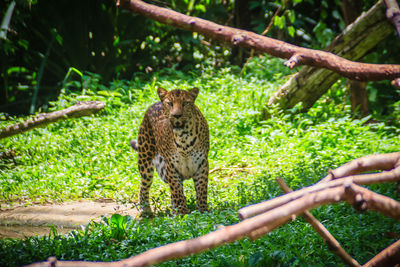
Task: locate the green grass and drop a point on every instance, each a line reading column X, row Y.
column 90, row 158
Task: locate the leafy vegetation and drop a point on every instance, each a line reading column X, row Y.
column 44, row 41
column 90, row 158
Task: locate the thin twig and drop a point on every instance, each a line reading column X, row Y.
column 230, row 168
column 368, row 163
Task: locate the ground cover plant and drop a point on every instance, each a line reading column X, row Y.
column 90, row 158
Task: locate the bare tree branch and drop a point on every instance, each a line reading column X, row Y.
column 255, row 209
column 388, row 257
column 80, row 109
column 265, row 219
column 364, row 164
column 358, row 38
column 328, row 238
column 356, row 195
column 361, row 198
column 296, row 55
column 372, row 162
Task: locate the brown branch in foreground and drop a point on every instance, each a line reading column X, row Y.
column 282, row 210
column 388, row 257
column 347, row 192
column 328, row 238
column 393, row 14
column 298, row 55
column 367, row 163
column 386, row 161
column 80, row 109
column 358, row 196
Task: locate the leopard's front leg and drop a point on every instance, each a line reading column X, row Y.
column 178, row 199
column 201, row 186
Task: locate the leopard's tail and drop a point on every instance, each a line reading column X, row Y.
column 134, row 144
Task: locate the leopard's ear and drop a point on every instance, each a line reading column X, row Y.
column 194, row 92
column 161, row 93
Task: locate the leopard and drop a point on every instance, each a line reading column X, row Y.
column 173, row 138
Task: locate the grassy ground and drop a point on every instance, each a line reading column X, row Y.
column 90, row 158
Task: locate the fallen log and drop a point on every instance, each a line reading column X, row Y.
column 80, row 109
column 310, row 83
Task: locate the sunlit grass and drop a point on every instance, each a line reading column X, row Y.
column 90, row 158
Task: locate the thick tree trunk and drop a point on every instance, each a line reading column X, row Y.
column 308, row 85
column 241, row 20
column 358, row 97
column 358, row 90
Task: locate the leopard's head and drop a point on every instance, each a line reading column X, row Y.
column 178, row 105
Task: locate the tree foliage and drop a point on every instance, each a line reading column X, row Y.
column 45, row 39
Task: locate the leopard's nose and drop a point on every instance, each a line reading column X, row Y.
column 177, row 116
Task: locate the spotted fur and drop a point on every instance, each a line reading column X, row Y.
column 174, row 138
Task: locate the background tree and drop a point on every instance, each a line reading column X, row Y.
column 358, row 92
column 95, row 37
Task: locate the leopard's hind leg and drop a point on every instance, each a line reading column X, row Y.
column 201, row 185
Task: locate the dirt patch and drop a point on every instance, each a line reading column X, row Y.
column 36, row 220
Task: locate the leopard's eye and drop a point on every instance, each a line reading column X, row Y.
column 169, row 103
column 185, row 103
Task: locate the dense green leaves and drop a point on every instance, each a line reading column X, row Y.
column 90, row 158
column 92, row 36
column 46, row 39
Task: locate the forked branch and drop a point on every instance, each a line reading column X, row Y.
column 329, row 239
column 373, row 162
column 296, row 55
column 368, row 163
column 388, row 257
